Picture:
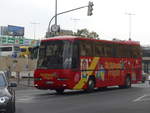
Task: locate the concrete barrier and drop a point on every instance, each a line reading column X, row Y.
column 17, row 64
column 23, row 74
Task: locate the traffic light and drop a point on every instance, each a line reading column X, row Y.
column 90, row 8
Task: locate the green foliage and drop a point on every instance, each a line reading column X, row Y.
column 86, row 33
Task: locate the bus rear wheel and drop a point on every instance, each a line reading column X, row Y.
column 127, row 83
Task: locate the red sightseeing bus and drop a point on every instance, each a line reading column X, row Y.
column 68, row 62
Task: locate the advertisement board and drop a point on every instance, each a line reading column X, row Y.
column 10, row 40
column 13, row 40
column 4, row 40
column 15, row 30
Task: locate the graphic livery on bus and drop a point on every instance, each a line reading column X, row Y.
column 83, row 63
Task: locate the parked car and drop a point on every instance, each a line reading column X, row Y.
column 7, row 95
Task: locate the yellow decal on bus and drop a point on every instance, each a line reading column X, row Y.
column 91, row 69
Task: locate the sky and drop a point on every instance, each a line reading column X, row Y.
column 109, row 19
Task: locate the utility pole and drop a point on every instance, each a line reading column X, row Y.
column 34, row 25
column 130, row 23
column 55, row 12
column 75, row 20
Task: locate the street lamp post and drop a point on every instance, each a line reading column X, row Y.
column 75, row 20
column 130, row 23
column 34, row 24
column 55, row 12
column 55, row 27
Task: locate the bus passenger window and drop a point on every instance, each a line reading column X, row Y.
column 75, row 56
column 83, row 50
column 107, row 50
column 86, row 48
column 98, row 50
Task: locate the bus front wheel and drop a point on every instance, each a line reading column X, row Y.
column 127, row 83
column 59, row 91
column 90, row 85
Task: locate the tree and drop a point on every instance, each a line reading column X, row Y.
column 86, row 33
column 93, row 35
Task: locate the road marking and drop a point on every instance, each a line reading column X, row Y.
column 139, row 98
column 25, row 99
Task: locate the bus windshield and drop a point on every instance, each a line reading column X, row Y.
column 56, row 54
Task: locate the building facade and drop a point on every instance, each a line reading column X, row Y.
column 146, row 59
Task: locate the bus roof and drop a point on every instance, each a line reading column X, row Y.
column 129, row 42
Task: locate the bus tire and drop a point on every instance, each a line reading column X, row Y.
column 102, row 88
column 90, row 85
column 59, row 91
column 127, row 83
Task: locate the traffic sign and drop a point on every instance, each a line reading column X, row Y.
column 55, row 28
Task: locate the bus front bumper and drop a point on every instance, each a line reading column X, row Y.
column 49, row 84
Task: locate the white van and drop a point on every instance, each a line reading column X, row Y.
column 10, row 50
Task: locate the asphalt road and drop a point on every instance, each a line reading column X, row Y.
column 112, row 100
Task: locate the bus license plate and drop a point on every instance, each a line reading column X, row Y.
column 49, row 82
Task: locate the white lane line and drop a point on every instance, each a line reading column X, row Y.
column 139, row 98
column 25, row 99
